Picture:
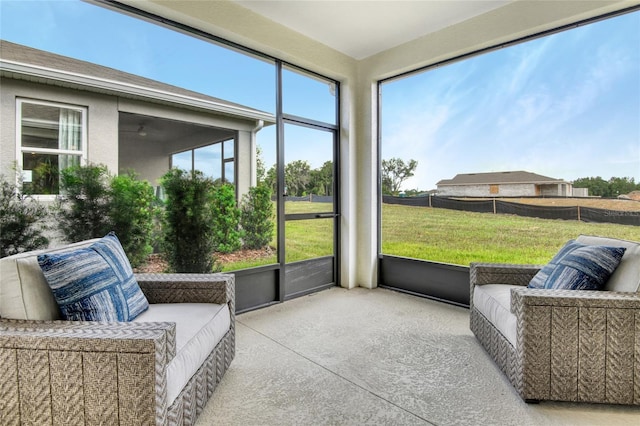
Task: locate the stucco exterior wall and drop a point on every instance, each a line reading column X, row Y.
column 504, row 190
column 507, row 190
column 245, row 163
column 102, row 120
column 151, row 159
column 558, row 190
column 148, row 158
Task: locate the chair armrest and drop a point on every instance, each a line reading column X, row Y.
column 501, row 273
column 102, row 329
column 56, row 372
column 573, row 298
column 188, row 288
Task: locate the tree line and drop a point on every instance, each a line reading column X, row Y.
column 300, row 179
column 598, row 187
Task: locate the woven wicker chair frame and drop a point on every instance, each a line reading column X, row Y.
column 581, row 346
column 88, row 373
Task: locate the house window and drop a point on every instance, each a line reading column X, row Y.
column 215, row 161
column 51, row 137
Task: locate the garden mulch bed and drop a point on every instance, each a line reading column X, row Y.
column 157, row 264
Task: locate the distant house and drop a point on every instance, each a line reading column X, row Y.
column 57, row 111
column 504, row 184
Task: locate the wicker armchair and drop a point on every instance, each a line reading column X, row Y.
column 569, row 345
column 86, row 373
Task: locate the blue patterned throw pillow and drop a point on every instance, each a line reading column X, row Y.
column 541, row 277
column 111, row 250
column 585, row 268
column 84, row 286
column 95, row 283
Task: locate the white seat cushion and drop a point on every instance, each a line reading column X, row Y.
column 494, row 302
column 199, row 328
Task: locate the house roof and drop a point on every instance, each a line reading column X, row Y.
column 23, row 62
column 494, row 178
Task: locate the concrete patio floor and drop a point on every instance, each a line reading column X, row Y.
column 353, row 357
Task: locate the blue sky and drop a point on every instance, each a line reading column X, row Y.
column 565, row 106
column 84, row 31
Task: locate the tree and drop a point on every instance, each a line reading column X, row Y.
column 394, row 172
column 132, row 212
column 620, row 186
column 270, row 179
column 599, row 187
column 297, row 175
column 189, row 225
column 227, row 237
column 93, row 203
column 84, row 204
column 256, row 217
column 321, row 180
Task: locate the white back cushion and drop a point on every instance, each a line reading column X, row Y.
column 626, row 277
column 24, row 292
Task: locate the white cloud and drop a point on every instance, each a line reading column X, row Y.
column 551, row 107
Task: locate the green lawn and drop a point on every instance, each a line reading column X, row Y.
column 447, row 236
column 306, row 239
column 457, row 237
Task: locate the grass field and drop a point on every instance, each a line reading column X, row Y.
column 447, row 236
column 305, row 239
column 457, row 237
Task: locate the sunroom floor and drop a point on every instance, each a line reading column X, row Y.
column 353, row 357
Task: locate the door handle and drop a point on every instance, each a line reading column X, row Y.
column 325, row 215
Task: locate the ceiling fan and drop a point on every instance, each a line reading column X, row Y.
column 140, row 131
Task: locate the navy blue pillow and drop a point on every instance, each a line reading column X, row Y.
column 111, row 250
column 85, row 286
column 538, row 281
column 585, row 267
column 95, row 283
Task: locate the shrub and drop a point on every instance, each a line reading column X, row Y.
column 22, row 221
column 83, row 206
column 132, row 211
column 188, row 221
column 256, row 217
column 226, row 217
column 92, row 203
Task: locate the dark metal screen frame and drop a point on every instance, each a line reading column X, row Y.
column 265, row 273
column 413, row 284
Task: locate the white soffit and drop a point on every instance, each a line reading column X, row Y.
column 361, row 28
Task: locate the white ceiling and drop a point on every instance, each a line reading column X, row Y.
column 361, row 28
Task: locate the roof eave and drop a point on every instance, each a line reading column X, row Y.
column 104, row 85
